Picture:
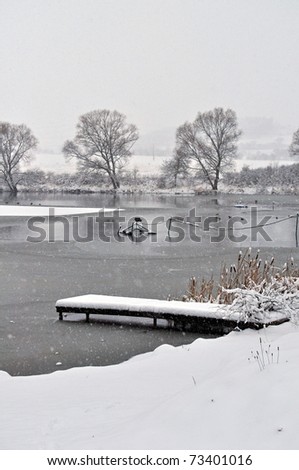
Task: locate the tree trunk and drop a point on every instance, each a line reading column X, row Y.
column 14, row 190
column 10, row 183
column 114, row 181
column 216, row 180
column 215, row 185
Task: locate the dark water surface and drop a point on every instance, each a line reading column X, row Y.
column 34, row 275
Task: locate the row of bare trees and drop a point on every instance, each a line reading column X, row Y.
column 103, row 143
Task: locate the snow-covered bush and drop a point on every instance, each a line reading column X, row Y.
column 253, row 289
column 283, row 178
column 266, row 301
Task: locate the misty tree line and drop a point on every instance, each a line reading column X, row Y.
column 284, row 176
column 205, row 150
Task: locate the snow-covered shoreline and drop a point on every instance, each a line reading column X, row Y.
column 212, row 394
column 144, row 176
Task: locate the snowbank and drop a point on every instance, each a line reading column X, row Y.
column 212, row 394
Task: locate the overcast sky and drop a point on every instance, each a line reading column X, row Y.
column 157, row 61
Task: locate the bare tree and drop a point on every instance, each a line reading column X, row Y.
column 103, row 143
column 294, row 147
column 208, row 145
column 16, row 144
column 174, row 167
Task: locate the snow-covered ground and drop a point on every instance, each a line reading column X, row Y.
column 212, row 394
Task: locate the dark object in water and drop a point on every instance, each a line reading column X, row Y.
column 136, row 229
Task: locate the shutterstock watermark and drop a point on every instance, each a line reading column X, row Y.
column 114, row 226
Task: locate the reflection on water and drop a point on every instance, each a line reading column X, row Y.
column 149, row 200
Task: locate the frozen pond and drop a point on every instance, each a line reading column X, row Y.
column 77, row 256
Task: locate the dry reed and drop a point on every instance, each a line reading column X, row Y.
column 249, row 272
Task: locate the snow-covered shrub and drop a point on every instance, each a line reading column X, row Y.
column 253, row 289
column 267, row 301
column 283, row 178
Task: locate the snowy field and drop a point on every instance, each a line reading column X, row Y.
column 211, row 394
column 148, row 165
column 145, row 164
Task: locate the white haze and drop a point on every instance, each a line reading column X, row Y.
column 157, row 61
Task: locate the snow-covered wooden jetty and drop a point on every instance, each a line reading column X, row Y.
column 202, row 317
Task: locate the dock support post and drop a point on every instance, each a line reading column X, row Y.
column 60, row 316
column 169, row 226
column 87, row 317
column 155, row 322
